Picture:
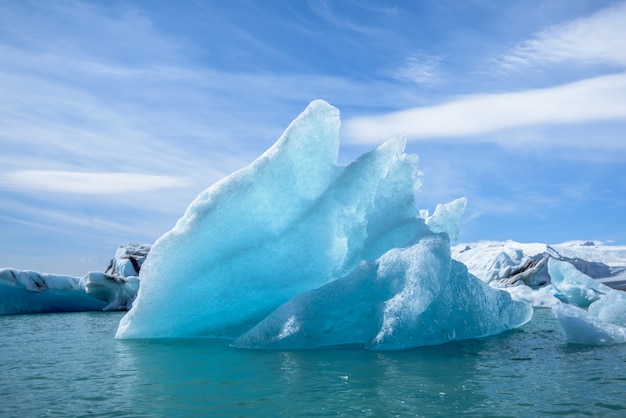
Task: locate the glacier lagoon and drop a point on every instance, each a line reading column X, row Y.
column 61, row 365
column 372, row 272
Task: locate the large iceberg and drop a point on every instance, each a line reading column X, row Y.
column 346, row 243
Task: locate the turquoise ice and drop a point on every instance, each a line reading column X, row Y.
column 346, row 243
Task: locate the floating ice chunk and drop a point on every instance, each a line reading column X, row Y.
column 24, row 291
column 446, row 217
column 537, row 298
column 118, row 292
column 409, row 297
column 575, row 287
column 610, row 308
column 580, row 327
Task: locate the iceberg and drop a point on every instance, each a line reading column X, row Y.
column 25, row 291
column 512, row 263
column 573, row 286
column 409, row 297
column 580, row 327
column 578, row 280
column 611, row 308
column 297, row 251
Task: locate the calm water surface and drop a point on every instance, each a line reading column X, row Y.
column 69, row 365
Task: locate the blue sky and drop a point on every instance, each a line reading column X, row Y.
column 114, row 115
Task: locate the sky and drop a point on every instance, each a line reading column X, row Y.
column 114, row 115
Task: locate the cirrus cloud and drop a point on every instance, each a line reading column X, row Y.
column 597, row 99
column 87, row 183
column 595, row 39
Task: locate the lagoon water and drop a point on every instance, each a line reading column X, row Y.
column 69, row 365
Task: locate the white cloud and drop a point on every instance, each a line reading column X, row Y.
column 596, row 99
column 87, row 183
column 597, row 39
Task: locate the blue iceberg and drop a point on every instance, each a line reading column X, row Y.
column 297, row 251
column 582, row 327
column 610, row 308
column 409, row 297
column 26, row 291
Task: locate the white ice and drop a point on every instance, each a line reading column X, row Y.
column 561, row 276
column 511, row 262
column 610, row 308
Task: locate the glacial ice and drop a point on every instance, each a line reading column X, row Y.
column 512, row 262
column 573, row 286
column 581, row 327
column 446, row 217
column 611, row 308
column 569, row 278
column 345, row 247
column 25, row 291
column 409, row 297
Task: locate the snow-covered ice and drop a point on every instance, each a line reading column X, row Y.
column 568, row 277
column 346, row 243
column 512, row 262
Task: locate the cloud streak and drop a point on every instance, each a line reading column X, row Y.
column 597, row 99
column 596, row 39
column 87, row 183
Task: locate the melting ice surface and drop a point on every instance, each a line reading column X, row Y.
column 296, row 251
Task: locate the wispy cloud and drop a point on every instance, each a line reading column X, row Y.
column 596, row 39
column 601, row 98
column 422, row 69
column 87, row 183
column 328, row 11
